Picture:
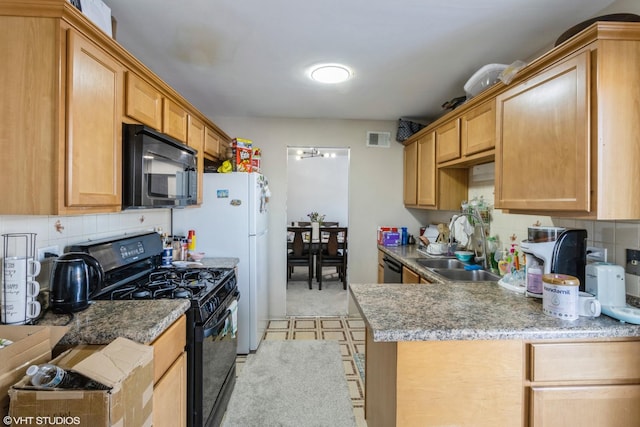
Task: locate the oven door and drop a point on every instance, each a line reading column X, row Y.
column 214, row 383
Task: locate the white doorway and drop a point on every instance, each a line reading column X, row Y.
column 317, row 181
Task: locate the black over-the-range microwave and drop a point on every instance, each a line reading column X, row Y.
column 158, row 171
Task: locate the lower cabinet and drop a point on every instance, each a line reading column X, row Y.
column 503, row 383
column 584, row 383
column 409, row 276
column 380, row 266
column 170, row 376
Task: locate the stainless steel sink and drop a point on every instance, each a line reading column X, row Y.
column 462, row 275
column 440, row 263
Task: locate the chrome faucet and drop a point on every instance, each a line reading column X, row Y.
column 477, row 218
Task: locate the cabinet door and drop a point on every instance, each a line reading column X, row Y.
column 170, row 396
column 543, row 140
column 427, row 173
column 448, row 141
column 94, row 125
column 174, row 119
column 144, row 102
column 410, row 173
column 212, row 144
column 478, row 129
column 594, row 406
column 195, row 139
column 409, row 276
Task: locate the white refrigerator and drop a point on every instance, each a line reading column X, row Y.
column 233, row 222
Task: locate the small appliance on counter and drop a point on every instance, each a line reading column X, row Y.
column 606, row 282
column 554, row 250
column 74, row 277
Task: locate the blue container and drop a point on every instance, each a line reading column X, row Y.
column 405, row 236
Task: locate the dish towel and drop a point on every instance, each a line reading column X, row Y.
column 234, row 317
column 461, row 229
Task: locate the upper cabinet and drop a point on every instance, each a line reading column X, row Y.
column 468, row 138
column 568, row 139
column 543, row 140
column 195, row 140
column 61, row 120
column 425, row 185
column 144, row 102
column 63, row 105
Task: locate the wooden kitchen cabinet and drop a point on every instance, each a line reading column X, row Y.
column 63, row 105
column 427, row 186
column 147, row 105
column 584, row 383
column 551, row 383
column 380, row 266
column 447, row 138
column 543, row 146
column 427, row 171
column 174, row 120
column 478, row 129
column 144, row 102
column 170, row 376
column 94, row 128
column 411, row 173
column 567, row 140
column 409, row 276
column 61, row 120
column 468, row 139
column 195, row 140
column 212, row 145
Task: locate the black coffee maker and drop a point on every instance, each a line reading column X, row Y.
column 570, row 254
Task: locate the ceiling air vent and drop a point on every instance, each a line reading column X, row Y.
column 378, row 139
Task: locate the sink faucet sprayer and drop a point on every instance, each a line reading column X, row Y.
column 477, row 218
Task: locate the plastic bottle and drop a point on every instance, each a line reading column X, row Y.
column 52, row 376
column 404, row 236
column 191, row 241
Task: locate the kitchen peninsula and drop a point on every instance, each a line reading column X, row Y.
column 461, row 353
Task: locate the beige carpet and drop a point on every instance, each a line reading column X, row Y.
column 292, row 384
column 302, row 301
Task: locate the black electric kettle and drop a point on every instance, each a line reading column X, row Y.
column 74, row 276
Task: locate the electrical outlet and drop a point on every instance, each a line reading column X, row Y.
column 47, row 252
column 633, row 262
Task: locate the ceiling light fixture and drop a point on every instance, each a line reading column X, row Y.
column 314, row 152
column 330, row 73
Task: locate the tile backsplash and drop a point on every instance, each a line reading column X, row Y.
column 615, row 236
column 63, row 231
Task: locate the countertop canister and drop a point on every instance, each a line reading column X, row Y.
column 560, row 293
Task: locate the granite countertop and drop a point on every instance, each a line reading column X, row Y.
column 141, row 321
column 446, row 310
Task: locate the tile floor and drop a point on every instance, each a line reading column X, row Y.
column 348, row 331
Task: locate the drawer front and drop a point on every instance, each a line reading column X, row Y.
column 168, row 347
column 606, row 361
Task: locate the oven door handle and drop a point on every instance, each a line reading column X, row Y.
column 206, row 333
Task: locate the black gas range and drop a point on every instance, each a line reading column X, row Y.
column 132, row 270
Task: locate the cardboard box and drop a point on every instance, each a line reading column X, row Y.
column 124, row 365
column 243, row 153
column 31, row 345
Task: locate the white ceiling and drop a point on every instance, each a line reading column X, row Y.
column 249, row 57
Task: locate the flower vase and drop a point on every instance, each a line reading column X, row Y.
column 315, row 231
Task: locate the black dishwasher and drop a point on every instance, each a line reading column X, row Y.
column 392, row 270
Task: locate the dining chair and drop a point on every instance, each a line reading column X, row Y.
column 299, row 253
column 333, row 254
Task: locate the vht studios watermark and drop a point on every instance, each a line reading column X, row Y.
column 41, row 421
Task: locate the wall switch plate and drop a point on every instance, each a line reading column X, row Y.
column 48, row 252
column 596, row 254
column 633, row 262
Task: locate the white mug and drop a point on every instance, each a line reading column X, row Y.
column 17, row 269
column 19, row 312
column 588, row 305
column 13, row 291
